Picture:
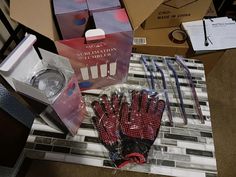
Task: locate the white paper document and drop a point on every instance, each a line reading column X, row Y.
column 220, row 33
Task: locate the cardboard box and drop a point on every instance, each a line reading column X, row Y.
column 102, row 5
column 37, row 15
column 72, row 17
column 173, row 12
column 115, row 23
column 50, row 80
column 102, row 58
column 211, row 12
column 157, row 42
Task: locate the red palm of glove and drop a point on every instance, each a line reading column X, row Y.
column 144, row 117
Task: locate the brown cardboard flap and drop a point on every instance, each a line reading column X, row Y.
column 36, row 15
column 159, row 37
column 139, row 10
column 158, row 42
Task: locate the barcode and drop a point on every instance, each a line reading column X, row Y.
column 139, row 41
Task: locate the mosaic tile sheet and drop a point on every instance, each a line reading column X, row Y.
column 181, row 150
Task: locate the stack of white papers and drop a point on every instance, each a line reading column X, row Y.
column 220, row 34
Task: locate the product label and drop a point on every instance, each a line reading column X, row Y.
column 139, row 41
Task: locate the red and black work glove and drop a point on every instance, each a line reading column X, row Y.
column 140, row 123
column 107, row 124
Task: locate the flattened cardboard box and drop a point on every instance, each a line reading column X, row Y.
column 157, row 42
column 211, row 12
column 173, row 12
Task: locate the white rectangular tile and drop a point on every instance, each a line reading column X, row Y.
column 55, row 156
column 87, row 132
column 176, row 172
column 203, row 160
column 191, row 145
column 31, row 138
column 46, row 128
column 84, row 160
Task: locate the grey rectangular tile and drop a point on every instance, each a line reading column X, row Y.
column 199, row 152
column 152, row 161
column 176, row 150
column 195, row 166
column 139, row 75
column 108, row 163
column 202, row 140
column 90, row 153
column 169, row 142
column 173, row 157
column 211, row 175
column 197, row 127
column 29, row 145
column 167, row 124
column 92, row 139
column 86, row 125
column 61, row 149
column 197, row 78
column 144, row 168
column 204, row 89
column 190, row 111
column 192, row 67
column 198, row 61
column 201, row 82
column 177, row 105
column 49, row 134
column 206, row 134
column 165, row 163
column 185, row 131
column 160, row 135
column 59, row 142
column 209, row 141
column 203, row 103
column 159, row 148
column 34, row 154
column 43, row 140
column 180, row 137
column 43, row 147
column 164, row 129
column 133, row 82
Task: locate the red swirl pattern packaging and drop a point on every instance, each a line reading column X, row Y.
column 102, row 57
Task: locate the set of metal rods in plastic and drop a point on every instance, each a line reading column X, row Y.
column 152, row 67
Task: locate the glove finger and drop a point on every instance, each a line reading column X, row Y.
column 98, row 110
column 100, row 128
column 135, row 101
column 160, row 108
column 115, row 102
column 152, row 105
column 144, row 101
column 124, row 115
column 107, row 105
